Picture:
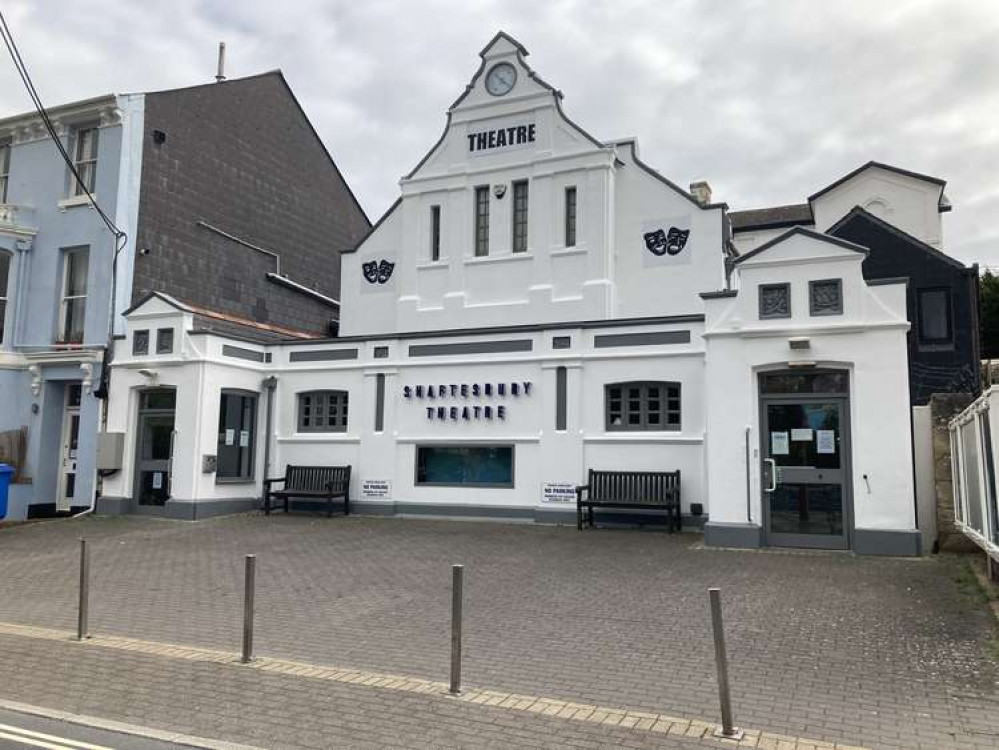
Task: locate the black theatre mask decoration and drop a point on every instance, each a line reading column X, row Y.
column 376, row 272
column 660, row 242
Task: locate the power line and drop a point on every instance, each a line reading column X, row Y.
column 22, row 70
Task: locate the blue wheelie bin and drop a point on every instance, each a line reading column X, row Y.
column 6, row 472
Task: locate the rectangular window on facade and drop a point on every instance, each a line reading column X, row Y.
column 933, row 312
column 322, row 411
column 520, row 203
column 825, row 297
column 642, row 406
column 74, row 295
column 4, row 170
column 570, row 217
column 465, row 465
column 140, row 343
column 435, row 233
column 85, row 160
column 4, row 280
column 237, row 435
column 164, row 341
column 482, row 220
column 775, row 300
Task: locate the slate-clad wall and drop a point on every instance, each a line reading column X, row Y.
column 931, row 370
column 242, row 157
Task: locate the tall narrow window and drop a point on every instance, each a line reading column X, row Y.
column 237, row 435
column 86, row 160
column 4, row 278
column 570, row 217
column 74, row 295
column 934, row 316
column 520, row 201
column 435, row 233
column 482, row 220
column 4, row 170
column 561, row 398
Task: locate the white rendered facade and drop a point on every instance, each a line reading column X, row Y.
column 439, row 312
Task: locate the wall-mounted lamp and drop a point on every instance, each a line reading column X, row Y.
column 151, row 375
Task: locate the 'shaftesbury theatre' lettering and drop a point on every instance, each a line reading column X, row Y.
column 466, row 391
column 517, row 135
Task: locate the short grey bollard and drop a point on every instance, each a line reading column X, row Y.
column 84, row 606
column 721, row 660
column 457, row 574
column 250, row 580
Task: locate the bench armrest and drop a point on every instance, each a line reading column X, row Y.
column 275, row 480
column 580, row 489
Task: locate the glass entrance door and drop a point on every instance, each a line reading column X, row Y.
column 805, row 472
column 155, row 447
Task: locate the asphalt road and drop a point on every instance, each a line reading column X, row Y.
column 19, row 730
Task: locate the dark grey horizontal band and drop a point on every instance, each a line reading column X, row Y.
column 240, row 353
column 322, row 355
column 885, row 282
column 641, row 339
column 471, row 347
column 720, row 294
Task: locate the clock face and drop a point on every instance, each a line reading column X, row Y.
column 500, row 79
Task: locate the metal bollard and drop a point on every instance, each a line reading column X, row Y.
column 721, row 660
column 457, row 573
column 250, row 580
column 84, row 606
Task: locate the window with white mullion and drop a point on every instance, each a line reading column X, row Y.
column 86, row 160
column 5, row 259
column 74, row 297
column 520, row 203
column 4, row 171
column 482, row 220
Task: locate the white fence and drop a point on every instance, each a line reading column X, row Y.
column 974, row 436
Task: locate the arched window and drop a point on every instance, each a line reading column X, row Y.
column 641, row 406
column 322, row 411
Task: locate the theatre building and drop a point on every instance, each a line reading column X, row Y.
column 535, row 304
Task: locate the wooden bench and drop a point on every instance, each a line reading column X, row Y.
column 322, row 482
column 633, row 490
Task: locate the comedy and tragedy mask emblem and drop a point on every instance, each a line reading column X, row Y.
column 377, row 273
column 661, row 243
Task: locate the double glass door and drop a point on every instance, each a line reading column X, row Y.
column 805, row 472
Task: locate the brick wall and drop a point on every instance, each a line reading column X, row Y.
column 242, row 157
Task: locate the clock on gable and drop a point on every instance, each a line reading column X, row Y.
column 500, row 79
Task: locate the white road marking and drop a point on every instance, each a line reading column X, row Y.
column 37, row 739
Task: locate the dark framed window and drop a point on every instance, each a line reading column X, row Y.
column 164, row 341
column 570, row 216
column 85, row 160
column 775, row 300
column 322, row 411
column 435, row 233
column 642, row 406
column 482, row 220
column 825, row 297
column 793, row 383
column 4, row 280
column 561, row 398
column 934, row 316
column 464, row 465
column 237, row 435
column 520, row 203
column 140, row 342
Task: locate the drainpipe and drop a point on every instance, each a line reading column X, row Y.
column 749, row 494
column 270, row 384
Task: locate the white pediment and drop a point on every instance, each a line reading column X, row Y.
column 800, row 245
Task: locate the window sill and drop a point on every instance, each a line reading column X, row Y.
column 430, row 264
column 507, row 258
column 563, row 252
column 76, row 200
column 663, row 436
column 235, row 480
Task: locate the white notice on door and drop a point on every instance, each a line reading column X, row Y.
column 825, row 441
column 230, row 436
column 244, row 438
column 157, row 480
column 779, row 444
column 804, row 435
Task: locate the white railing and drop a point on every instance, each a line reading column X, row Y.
column 974, row 440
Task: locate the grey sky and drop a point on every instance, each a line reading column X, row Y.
column 769, row 100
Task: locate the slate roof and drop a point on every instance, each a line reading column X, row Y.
column 771, row 218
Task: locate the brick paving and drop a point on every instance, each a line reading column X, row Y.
column 882, row 653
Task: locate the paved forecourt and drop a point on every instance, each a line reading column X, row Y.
column 868, row 652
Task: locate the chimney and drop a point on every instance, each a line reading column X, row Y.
column 220, row 76
column 701, row 192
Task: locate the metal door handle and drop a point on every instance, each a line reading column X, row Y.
column 773, row 474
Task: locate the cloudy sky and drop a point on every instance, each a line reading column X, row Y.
column 769, row 100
